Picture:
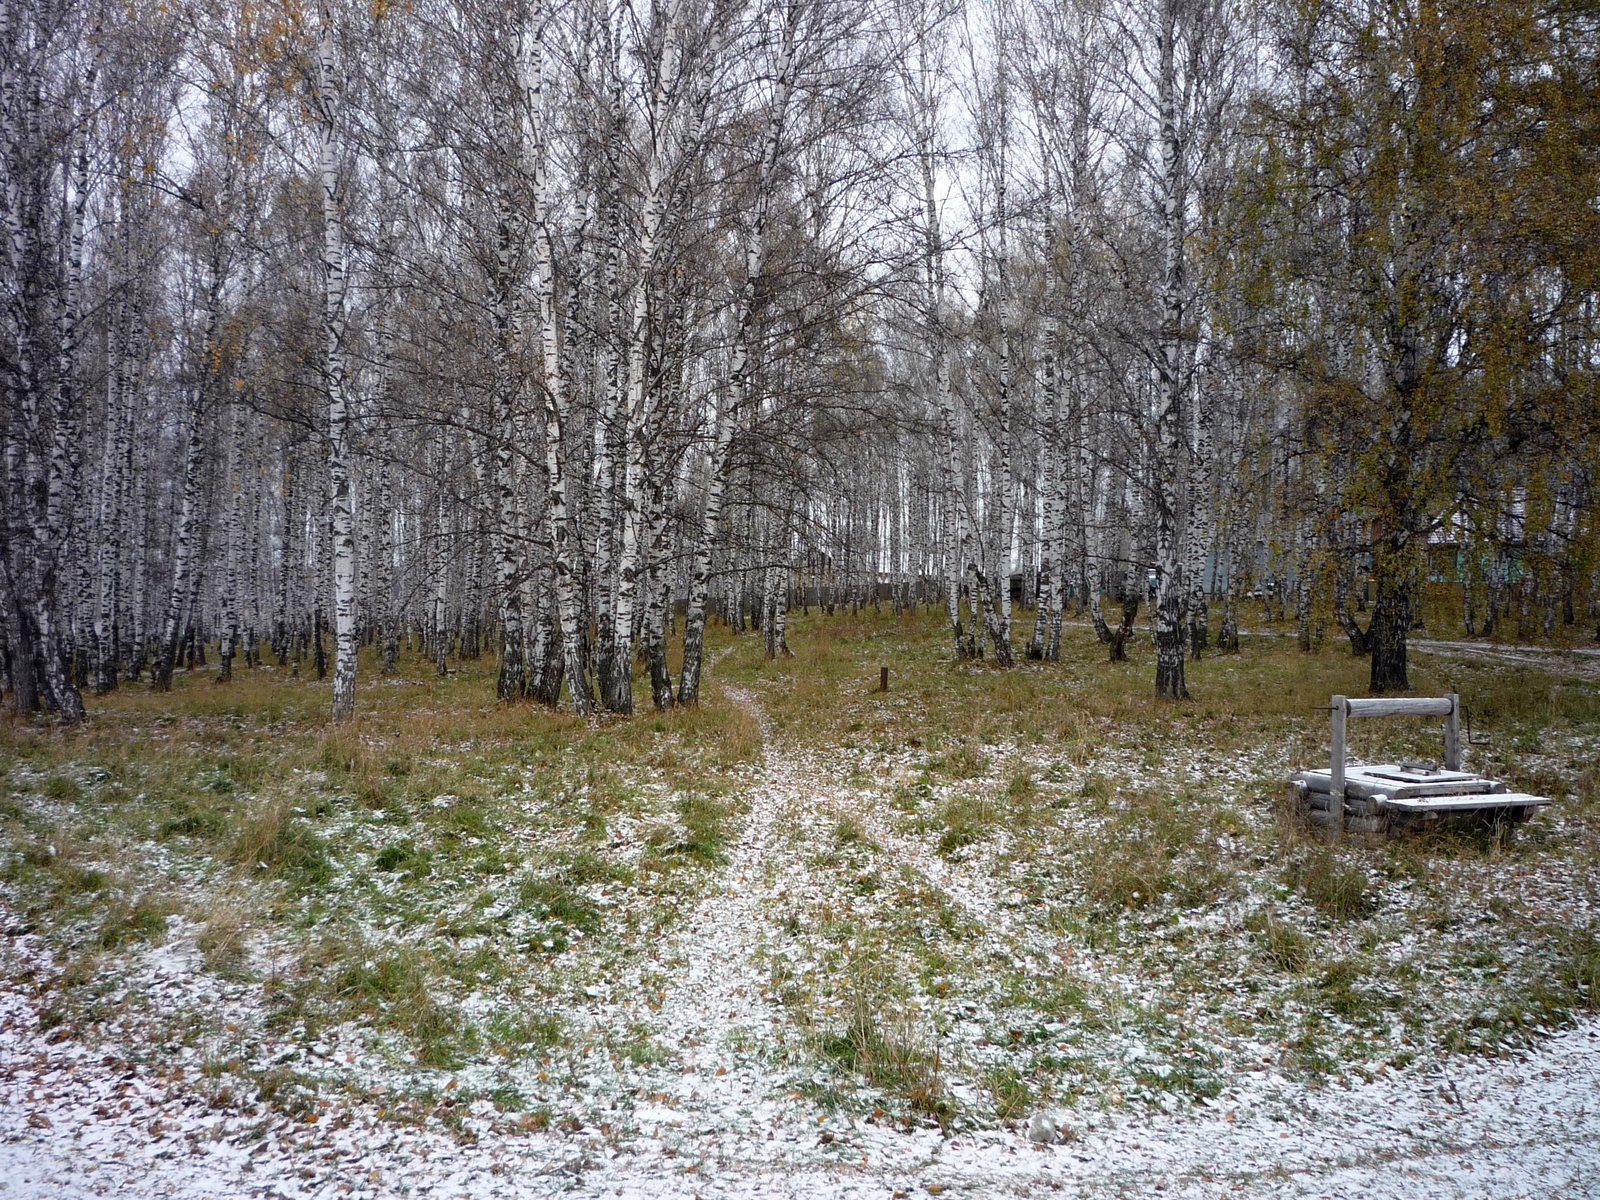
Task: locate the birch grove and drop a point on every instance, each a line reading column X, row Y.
column 555, row 333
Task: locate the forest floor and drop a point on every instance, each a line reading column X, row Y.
column 988, row 933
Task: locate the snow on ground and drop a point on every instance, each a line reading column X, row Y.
column 1577, row 662
column 76, row 1121
column 718, row 1117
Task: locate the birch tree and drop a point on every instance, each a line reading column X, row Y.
column 740, row 366
column 326, row 100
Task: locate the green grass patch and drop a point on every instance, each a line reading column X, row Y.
column 1338, row 888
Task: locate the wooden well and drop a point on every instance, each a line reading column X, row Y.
column 1387, row 798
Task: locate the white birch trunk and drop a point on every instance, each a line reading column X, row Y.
column 336, row 379
column 439, row 602
column 184, row 549
column 1046, row 618
column 138, row 494
column 954, row 502
column 1000, row 620
column 1169, row 368
column 383, row 572
column 381, row 522
column 51, row 533
column 564, row 544
column 659, row 597
column 233, row 540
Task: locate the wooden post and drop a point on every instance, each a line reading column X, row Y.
column 883, row 679
column 1452, row 735
column 1337, row 713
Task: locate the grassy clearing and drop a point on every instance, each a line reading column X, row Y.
column 1133, row 923
column 426, row 887
column 999, row 890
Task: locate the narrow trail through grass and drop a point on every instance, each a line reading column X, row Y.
column 714, row 1009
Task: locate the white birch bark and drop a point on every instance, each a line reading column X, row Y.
column 1045, row 643
column 138, row 498
column 233, row 540
column 255, row 521
column 1000, row 614
column 185, row 551
column 474, row 602
column 336, row 377
column 659, row 596
column 383, row 573
column 779, row 639
column 438, row 606
column 19, row 516
column 382, row 521
column 919, row 81
column 1074, row 484
column 1169, row 369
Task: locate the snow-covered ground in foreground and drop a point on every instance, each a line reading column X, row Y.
column 82, row 1119
column 78, row 1122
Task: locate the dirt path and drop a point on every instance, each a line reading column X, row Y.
column 715, row 1014
column 718, row 994
column 724, row 1120
column 1578, row 663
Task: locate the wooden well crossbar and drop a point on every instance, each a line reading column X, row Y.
column 1342, row 708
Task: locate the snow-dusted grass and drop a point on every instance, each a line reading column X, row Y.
column 430, row 891
column 1078, row 895
column 838, row 936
